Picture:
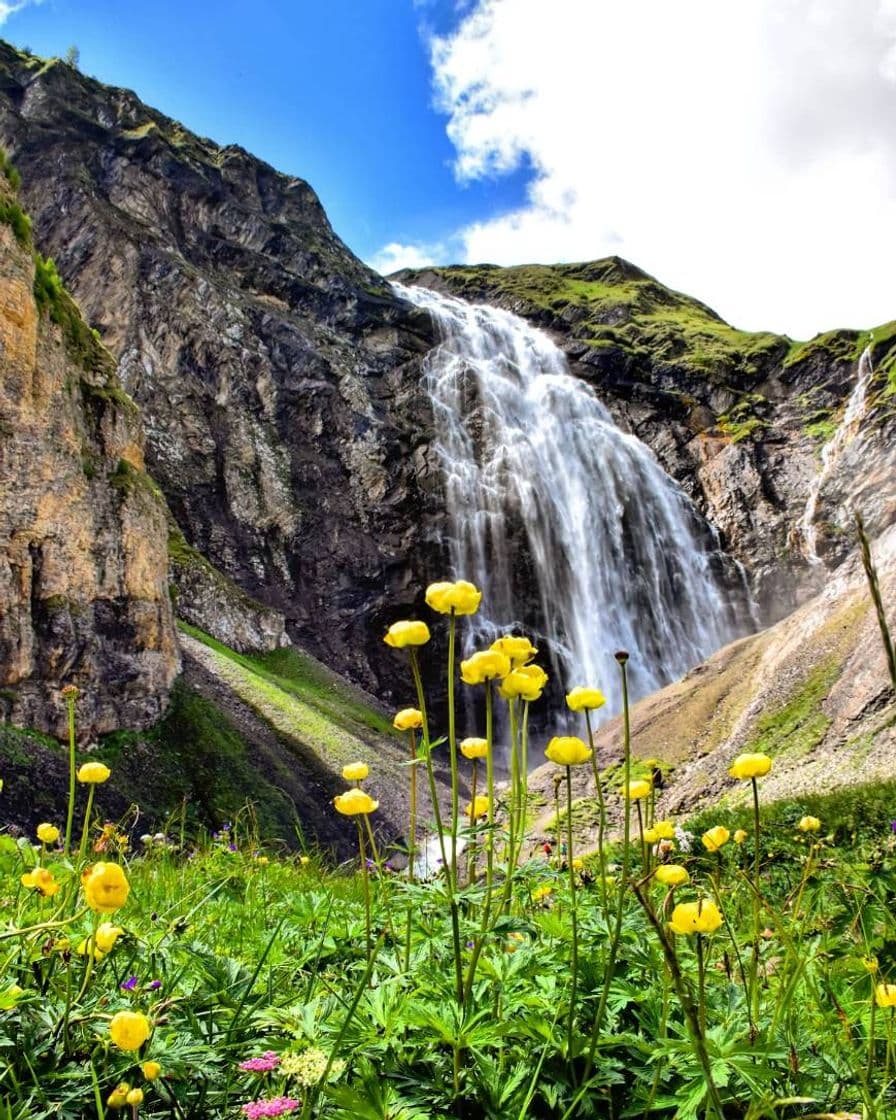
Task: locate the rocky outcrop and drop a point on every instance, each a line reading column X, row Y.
column 740, row 420
column 276, row 374
column 83, row 559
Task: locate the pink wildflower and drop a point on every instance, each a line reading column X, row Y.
column 268, row 1061
column 276, row 1106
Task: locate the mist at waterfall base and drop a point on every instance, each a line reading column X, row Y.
column 570, row 527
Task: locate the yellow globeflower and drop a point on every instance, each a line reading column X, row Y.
column 353, row 802
column 151, row 1070
column 487, row 665
column 405, row 633
column 478, row 807
column 809, row 824
column 462, row 597
column 93, row 773
column 129, row 1030
column 747, row 766
column 567, row 750
column 650, row 836
column 107, row 935
column 134, row 1097
column 106, row 887
column 355, row 771
column 41, row 879
column 519, row 650
column 695, row 917
column 885, row 995
column 86, row 949
column 47, row 833
column 665, row 830
column 119, row 1095
column 581, row 698
column 408, row 719
column 526, row 682
column 740, row 835
column 474, row 748
column 715, row 838
column 637, row 790
column 672, row 875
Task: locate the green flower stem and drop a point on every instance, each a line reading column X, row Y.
column 626, row 866
column 573, row 917
column 433, row 792
column 686, row 1000
column 91, row 956
column 479, row 941
column 70, row 701
column 644, row 865
column 365, row 879
column 602, row 817
column 754, row 967
column 412, row 813
column 871, row 1032
column 85, row 831
column 471, row 856
column 888, row 1061
column 452, row 747
column 513, row 802
column 701, row 984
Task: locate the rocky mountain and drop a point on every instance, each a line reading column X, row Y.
column 276, row 374
column 740, row 420
column 83, row 532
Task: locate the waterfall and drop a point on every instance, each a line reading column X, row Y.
column 846, row 431
column 569, row 525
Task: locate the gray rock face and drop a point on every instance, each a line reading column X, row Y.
column 83, row 557
column 277, row 375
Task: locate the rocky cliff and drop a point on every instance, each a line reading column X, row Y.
column 83, row 534
column 276, row 374
column 740, row 420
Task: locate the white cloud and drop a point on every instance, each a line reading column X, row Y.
column 7, row 9
column 394, row 256
column 743, row 153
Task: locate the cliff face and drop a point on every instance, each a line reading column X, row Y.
column 276, row 374
column 83, row 557
column 740, row 420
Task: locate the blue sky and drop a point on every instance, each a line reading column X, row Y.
column 742, row 153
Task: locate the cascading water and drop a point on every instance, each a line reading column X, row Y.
column 569, row 525
column 846, row 431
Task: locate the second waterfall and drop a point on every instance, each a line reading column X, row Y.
column 570, row 527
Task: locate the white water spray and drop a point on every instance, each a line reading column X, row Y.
column 846, row 432
column 547, row 499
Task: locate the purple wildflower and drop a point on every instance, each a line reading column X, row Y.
column 268, row 1061
column 276, row 1106
column 893, row 825
column 154, row 985
column 129, row 984
column 231, row 847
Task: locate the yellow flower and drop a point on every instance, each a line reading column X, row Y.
column 408, row 719
column 695, row 917
column 484, row 666
column 85, row 948
column 885, row 995
column 672, row 875
column 106, row 887
column 402, row 634
column 581, row 698
column 92, row 773
column 355, row 771
column 474, row 748
column 42, row 880
column 47, row 833
column 119, row 1095
column 151, row 1070
column 809, row 824
column 578, row 864
column 478, row 808
column 665, row 830
column 526, row 682
column 747, row 766
column 519, row 650
column 740, row 835
column 107, row 935
column 870, row 963
column 637, row 790
column 567, row 750
column 129, row 1030
column 135, row 1096
column 650, row 836
column 715, row 838
column 461, row 597
column 353, row 802
column 541, row 893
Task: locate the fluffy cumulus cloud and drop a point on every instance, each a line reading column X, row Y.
column 743, row 153
column 8, row 9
